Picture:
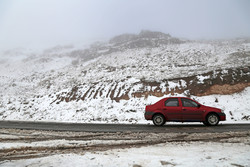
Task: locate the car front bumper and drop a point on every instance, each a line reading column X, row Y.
column 222, row 116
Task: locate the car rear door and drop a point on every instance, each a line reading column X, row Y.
column 172, row 109
column 191, row 110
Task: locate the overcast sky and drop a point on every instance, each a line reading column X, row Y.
column 44, row 23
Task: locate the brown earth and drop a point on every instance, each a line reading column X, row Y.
column 225, row 89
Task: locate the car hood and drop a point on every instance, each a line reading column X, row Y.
column 211, row 108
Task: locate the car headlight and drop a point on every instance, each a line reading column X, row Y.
column 222, row 110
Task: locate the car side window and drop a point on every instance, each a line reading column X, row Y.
column 188, row 103
column 173, row 102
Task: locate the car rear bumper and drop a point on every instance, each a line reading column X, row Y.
column 148, row 115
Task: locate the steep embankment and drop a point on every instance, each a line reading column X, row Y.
column 223, row 82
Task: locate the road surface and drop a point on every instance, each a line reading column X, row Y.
column 83, row 127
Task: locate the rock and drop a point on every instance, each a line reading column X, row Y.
column 135, row 165
column 208, row 157
column 245, row 70
column 216, row 100
column 167, row 163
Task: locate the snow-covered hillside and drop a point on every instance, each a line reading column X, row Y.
column 113, row 81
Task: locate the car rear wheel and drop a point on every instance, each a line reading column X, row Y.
column 159, row 120
column 212, row 120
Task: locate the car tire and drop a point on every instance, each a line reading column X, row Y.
column 212, row 120
column 159, row 120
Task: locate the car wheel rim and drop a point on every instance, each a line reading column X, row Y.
column 158, row 120
column 213, row 119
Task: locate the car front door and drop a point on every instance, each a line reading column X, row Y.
column 191, row 110
column 172, row 109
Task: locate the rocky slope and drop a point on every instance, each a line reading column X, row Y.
column 114, row 81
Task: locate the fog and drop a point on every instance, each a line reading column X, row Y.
column 45, row 23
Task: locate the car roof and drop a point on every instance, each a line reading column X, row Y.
column 177, row 97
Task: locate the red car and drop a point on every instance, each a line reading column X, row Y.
column 182, row 109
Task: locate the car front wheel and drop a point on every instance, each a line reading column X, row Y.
column 212, row 120
column 159, row 120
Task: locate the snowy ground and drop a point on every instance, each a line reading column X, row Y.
column 216, row 149
column 51, row 148
column 168, row 154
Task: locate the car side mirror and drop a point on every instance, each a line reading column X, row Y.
column 198, row 106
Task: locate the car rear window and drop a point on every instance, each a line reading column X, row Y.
column 173, row 102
